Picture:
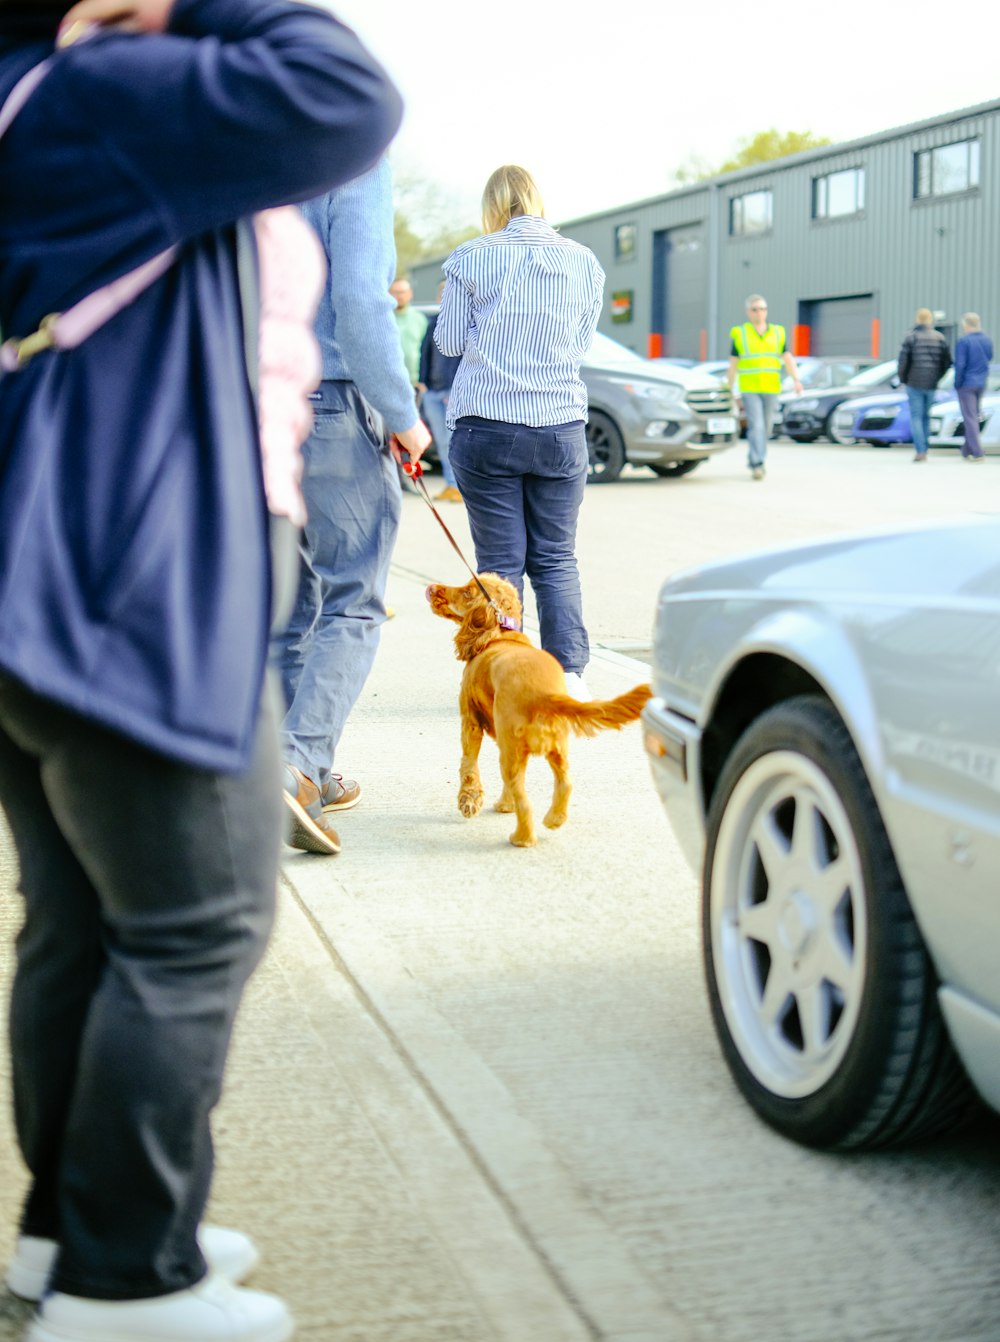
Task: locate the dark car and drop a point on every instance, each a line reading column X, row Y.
column 805, row 417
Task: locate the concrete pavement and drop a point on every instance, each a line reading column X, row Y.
column 474, row 1094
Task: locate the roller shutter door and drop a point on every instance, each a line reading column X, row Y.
column 840, row 325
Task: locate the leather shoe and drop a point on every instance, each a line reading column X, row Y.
column 310, row 829
column 213, row 1310
column 228, row 1253
column 340, row 793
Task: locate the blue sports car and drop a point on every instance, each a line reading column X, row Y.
column 884, row 420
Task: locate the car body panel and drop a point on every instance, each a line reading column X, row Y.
column 948, row 428
column 901, row 630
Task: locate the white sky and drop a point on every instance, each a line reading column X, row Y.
column 602, row 102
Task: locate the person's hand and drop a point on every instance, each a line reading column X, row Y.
column 416, row 441
column 797, row 385
column 131, row 16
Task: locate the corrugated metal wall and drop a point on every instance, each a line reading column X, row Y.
column 942, row 253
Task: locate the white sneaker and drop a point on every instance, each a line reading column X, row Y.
column 576, row 686
column 228, row 1253
column 212, row 1311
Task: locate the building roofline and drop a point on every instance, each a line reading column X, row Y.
column 793, row 160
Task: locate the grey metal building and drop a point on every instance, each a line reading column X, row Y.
column 845, row 242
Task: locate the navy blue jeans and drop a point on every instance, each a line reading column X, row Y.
column 523, row 488
column 149, row 891
column 351, row 488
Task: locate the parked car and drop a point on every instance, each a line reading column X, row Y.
column 804, row 418
column 948, row 428
column 811, row 370
column 819, row 373
column 676, row 361
column 885, row 419
column 825, row 739
column 650, row 413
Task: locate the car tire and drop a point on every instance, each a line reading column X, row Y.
column 803, row 437
column 822, row 993
column 675, row 468
column 606, row 449
column 834, row 434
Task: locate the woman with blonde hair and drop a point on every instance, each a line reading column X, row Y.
column 520, row 306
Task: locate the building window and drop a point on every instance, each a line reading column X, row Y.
column 947, row 170
column 839, row 194
column 626, row 237
column 750, row 214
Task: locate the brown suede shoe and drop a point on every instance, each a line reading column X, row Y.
column 340, row 793
column 310, row 830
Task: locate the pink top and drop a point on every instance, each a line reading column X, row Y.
column 292, row 275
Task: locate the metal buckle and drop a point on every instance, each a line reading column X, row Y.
column 42, row 339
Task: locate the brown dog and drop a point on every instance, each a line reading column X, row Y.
column 516, row 693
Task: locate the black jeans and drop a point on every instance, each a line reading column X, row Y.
column 149, row 890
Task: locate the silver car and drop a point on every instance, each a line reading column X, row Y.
column 948, row 428
column 825, row 737
column 650, row 413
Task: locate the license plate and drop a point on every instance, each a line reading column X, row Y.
column 722, row 424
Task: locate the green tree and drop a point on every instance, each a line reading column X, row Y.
column 429, row 221
column 764, row 147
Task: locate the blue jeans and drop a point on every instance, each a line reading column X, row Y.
column 921, row 399
column 523, row 488
column 759, row 407
column 433, row 407
column 149, row 891
column 351, row 489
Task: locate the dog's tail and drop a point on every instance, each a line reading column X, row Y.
column 591, row 716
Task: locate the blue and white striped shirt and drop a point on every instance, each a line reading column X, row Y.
column 521, row 307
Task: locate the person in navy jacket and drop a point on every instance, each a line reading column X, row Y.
column 973, row 356
column 138, row 770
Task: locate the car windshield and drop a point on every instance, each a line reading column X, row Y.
column 871, row 377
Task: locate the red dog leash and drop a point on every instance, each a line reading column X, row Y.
column 415, row 471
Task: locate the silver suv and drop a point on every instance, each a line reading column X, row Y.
column 651, row 414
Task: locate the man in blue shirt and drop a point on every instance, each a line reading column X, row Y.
column 352, row 494
column 973, row 355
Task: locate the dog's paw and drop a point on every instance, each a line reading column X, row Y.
column 504, row 804
column 470, row 802
column 554, row 819
column 520, row 840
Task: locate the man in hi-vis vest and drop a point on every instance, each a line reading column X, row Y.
column 757, row 353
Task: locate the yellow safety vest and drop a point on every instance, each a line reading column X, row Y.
column 759, row 365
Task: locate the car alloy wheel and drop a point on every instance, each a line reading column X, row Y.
column 837, row 435
column 605, row 448
column 822, row 993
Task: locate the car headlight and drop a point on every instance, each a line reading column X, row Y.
column 889, row 411
column 804, row 405
column 667, row 393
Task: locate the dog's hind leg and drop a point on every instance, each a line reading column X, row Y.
column 558, row 759
column 470, row 789
column 513, row 765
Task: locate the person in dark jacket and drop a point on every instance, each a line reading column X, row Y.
column 973, row 356
column 924, row 358
column 437, row 373
column 139, row 771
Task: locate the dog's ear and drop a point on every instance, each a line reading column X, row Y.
column 479, row 629
column 504, row 594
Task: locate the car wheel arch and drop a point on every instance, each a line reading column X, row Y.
column 786, row 655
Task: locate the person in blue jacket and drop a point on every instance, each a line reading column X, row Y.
column 139, row 772
column 973, row 356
